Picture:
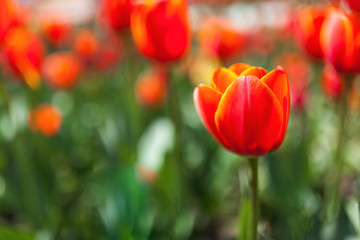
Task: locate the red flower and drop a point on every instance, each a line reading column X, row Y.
column 61, row 70
column 45, row 119
column 354, row 5
column 86, row 44
column 332, row 82
column 246, row 109
column 150, row 89
column 340, row 36
column 307, row 29
column 116, row 13
column 56, row 30
column 9, row 17
column 161, row 29
column 220, row 37
column 110, row 53
column 23, row 54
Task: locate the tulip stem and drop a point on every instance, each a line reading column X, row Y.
column 338, row 164
column 254, row 162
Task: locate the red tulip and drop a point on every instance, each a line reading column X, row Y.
column 340, row 40
column 56, row 30
column 332, row 82
column 354, row 5
column 161, row 29
column 150, row 89
column 46, row 119
column 9, row 17
column 116, row 13
column 246, row 109
column 219, row 37
column 23, row 54
column 86, row 44
column 61, row 70
column 109, row 53
column 307, row 28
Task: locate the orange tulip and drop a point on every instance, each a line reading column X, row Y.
column 161, row 29
column 332, row 82
column 340, row 36
column 61, row 70
column 86, row 44
column 246, row 109
column 23, row 53
column 45, row 119
column 150, row 89
column 56, row 30
column 116, row 13
column 9, row 17
column 354, row 5
column 307, row 29
column 219, row 37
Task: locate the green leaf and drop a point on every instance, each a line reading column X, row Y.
column 244, row 220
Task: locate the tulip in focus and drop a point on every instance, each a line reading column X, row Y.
column 161, row 29
column 116, row 13
column 46, row 119
column 308, row 25
column 23, row 54
column 150, row 89
column 86, row 44
column 219, row 37
column 340, row 36
column 56, row 30
column 61, row 70
column 246, row 109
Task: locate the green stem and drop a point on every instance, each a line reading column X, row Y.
column 333, row 193
column 253, row 162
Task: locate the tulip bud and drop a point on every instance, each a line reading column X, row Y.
column 45, row 119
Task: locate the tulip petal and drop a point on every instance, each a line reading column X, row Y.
column 222, row 78
column 206, row 101
column 278, row 82
column 238, row 68
column 254, row 71
column 249, row 117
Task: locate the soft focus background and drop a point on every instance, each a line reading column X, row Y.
column 97, row 141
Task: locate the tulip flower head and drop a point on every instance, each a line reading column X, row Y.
column 62, row 70
column 46, row 119
column 23, row 53
column 246, row 109
column 354, row 5
column 86, row 45
column 332, row 82
column 9, row 17
column 308, row 25
column 56, row 30
column 116, row 13
column 219, row 37
column 340, row 36
column 161, row 28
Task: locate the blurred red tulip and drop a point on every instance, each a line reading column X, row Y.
column 161, row 29
column 219, row 37
column 116, row 13
column 298, row 71
column 46, row 119
column 61, row 70
column 246, row 109
column 86, row 44
column 332, row 82
column 150, row 89
column 307, row 29
column 354, row 5
column 56, row 30
column 109, row 53
column 340, row 40
column 23, row 54
column 9, row 17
